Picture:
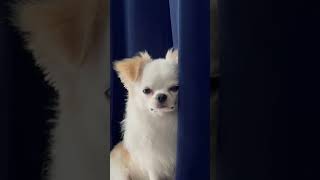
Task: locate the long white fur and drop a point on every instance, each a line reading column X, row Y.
column 149, row 138
column 77, row 68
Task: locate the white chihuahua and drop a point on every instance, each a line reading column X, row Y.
column 148, row 149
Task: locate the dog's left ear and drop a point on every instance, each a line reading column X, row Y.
column 172, row 55
column 60, row 31
column 129, row 70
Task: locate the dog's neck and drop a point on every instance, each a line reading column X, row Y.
column 141, row 122
column 150, row 140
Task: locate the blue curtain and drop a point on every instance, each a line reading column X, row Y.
column 156, row 26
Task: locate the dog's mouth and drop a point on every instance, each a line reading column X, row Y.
column 162, row 108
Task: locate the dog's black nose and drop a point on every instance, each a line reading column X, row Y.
column 161, row 98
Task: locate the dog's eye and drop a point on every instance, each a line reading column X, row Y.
column 174, row 88
column 146, row 90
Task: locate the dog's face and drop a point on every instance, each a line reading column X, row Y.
column 152, row 84
column 158, row 87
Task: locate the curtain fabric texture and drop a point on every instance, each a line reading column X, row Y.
column 156, row 26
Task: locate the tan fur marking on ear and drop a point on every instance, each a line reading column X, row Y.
column 58, row 27
column 145, row 55
column 172, row 55
column 129, row 70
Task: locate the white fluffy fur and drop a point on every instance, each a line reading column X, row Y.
column 148, row 149
column 69, row 41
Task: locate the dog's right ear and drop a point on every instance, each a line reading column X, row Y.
column 129, row 70
column 172, row 55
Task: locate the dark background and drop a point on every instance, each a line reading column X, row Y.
column 27, row 103
column 269, row 90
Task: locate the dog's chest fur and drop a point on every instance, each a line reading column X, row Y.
column 151, row 140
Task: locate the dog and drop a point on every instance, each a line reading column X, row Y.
column 69, row 41
column 148, row 148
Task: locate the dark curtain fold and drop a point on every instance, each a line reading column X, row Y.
column 269, row 90
column 5, row 78
column 192, row 19
column 156, row 26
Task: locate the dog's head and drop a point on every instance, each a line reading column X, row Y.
column 152, row 84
